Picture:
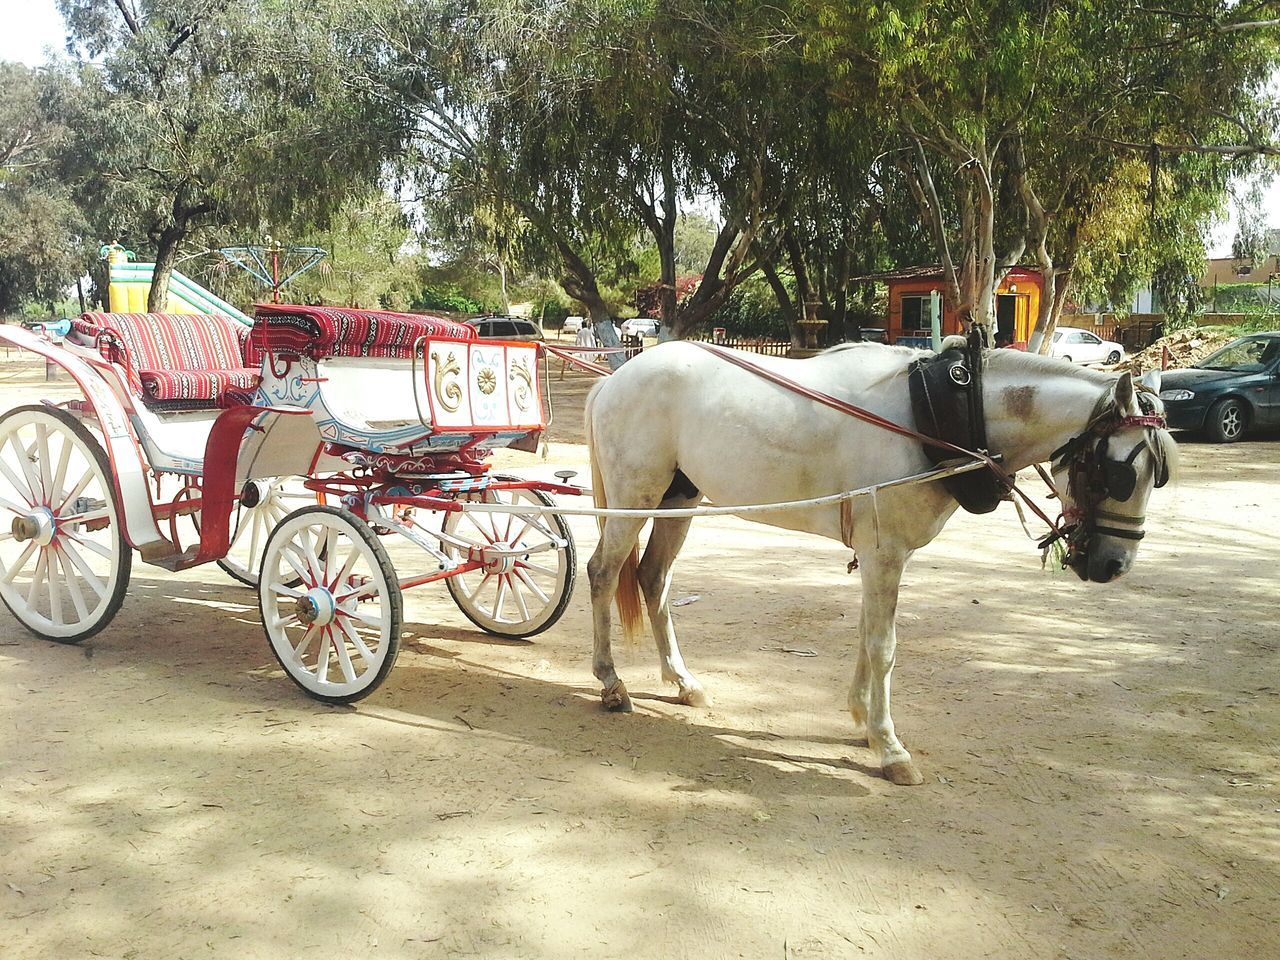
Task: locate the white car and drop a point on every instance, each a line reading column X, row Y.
column 640, row 327
column 1081, row 346
column 572, row 325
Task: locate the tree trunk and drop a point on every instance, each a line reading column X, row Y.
column 789, row 309
column 166, row 259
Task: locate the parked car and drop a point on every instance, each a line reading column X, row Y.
column 572, row 325
column 641, row 327
column 506, row 328
column 1228, row 392
column 1081, row 346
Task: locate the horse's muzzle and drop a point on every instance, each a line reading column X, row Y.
column 1105, row 563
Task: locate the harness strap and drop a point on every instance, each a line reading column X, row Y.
column 876, row 420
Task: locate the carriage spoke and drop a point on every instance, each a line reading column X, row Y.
column 81, row 565
column 344, row 657
column 89, row 545
column 13, row 507
column 24, row 462
column 330, row 559
column 20, row 562
column 300, row 570
column 73, row 587
column 256, row 523
column 78, row 489
column 500, row 598
column 322, row 660
column 60, row 472
column 537, row 567
column 19, row 487
column 309, row 554
column 352, row 556
column 519, row 598
column 55, row 594
column 38, row 578
column 472, row 594
column 239, row 532
column 86, row 517
column 353, row 635
column 375, row 622
column 304, row 642
column 286, row 590
column 41, row 447
column 528, row 582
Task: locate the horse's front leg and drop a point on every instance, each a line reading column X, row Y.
column 881, row 577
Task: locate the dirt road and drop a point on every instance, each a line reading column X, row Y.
column 1101, row 765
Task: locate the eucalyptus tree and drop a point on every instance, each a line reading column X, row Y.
column 1026, row 122
column 40, row 228
column 190, row 115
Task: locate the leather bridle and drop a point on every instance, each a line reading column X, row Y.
column 1094, row 477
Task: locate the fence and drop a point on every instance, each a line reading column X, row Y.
column 771, row 348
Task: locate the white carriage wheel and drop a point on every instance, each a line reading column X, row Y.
column 330, row 603
column 64, row 561
column 520, row 595
column 273, row 499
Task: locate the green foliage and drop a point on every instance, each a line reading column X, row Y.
column 41, row 251
column 450, row 299
column 190, row 116
column 752, row 311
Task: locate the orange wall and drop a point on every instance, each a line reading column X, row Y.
column 1025, row 284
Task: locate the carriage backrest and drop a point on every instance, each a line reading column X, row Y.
column 169, row 341
column 316, row 332
column 176, row 361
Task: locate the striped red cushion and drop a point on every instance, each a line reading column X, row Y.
column 346, row 332
column 206, row 385
column 169, row 341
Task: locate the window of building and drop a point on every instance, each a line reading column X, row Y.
column 917, row 314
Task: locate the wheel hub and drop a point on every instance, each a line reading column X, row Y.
column 317, row 606
column 501, row 563
column 38, row 525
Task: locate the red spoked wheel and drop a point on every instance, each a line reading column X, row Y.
column 331, row 604
column 64, row 561
column 530, row 564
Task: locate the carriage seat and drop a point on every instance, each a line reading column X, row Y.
column 176, row 361
column 292, row 330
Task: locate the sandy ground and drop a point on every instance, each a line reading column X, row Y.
column 1101, row 764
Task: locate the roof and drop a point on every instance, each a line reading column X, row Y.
column 923, row 272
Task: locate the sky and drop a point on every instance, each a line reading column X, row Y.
column 31, row 27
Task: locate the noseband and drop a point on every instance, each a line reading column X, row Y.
column 1093, row 477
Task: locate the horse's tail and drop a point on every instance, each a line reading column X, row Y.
column 627, row 596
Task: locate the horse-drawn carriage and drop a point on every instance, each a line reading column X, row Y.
column 373, row 425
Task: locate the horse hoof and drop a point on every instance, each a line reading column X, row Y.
column 695, row 697
column 616, row 699
column 903, row 773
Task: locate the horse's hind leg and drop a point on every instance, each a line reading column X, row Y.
column 881, row 577
column 616, row 543
column 665, row 541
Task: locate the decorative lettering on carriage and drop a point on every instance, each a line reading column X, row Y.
column 448, row 393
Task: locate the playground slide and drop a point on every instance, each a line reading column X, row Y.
column 131, row 282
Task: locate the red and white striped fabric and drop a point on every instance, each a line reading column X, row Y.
column 188, row 360
column 298, row 329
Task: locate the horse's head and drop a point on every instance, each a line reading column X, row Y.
column 1105, row 477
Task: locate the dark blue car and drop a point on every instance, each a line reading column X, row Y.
column 1228, row 392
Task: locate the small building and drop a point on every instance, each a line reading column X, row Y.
column 1231, row 270
column 915, row 297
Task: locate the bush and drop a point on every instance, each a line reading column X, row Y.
column 451, row 299
column 752, row 311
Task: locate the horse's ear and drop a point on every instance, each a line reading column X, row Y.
column 1152, row 379
column 1126, row 402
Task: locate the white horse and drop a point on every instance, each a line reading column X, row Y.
column 678, row 423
